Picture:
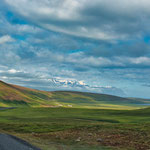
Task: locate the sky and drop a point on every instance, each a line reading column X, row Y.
column 100, row 46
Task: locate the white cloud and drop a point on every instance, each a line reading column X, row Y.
column 5, row 39
column 99, row 19
column 13, row 71
column 140, row 60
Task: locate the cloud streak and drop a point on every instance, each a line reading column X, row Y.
column 6, row 39
column 105, row 20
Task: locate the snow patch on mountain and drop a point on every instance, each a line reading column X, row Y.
column 75, row 85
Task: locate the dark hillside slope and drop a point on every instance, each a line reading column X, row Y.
column 71, row 96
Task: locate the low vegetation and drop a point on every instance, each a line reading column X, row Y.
column 74, row 128
column 74, row 120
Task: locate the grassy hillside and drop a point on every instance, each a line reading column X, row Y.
column 82, row 99
column 13, row 95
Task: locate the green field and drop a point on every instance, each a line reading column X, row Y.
column 66, row 120
column 59, row 128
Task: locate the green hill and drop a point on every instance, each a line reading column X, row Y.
column 13, row 95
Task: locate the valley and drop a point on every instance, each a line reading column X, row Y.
column 63, row 120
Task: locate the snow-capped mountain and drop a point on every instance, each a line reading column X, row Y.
column 75, row 85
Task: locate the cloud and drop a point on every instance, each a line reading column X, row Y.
column 13, row 71
column 98, row 19
column 129, row 49
column 147, row 85
column 50, row 84
column 6, row 39
column 116, row 54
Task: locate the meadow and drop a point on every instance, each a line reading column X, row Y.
column 67, row 120
column 79, row 128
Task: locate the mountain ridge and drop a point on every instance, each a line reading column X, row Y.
column 15, row 95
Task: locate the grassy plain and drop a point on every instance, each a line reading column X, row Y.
column 76, row 128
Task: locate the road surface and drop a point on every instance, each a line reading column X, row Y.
column 3, row 108
column 9, row 142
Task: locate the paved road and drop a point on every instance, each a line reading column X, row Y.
column 3, row 108
column 9, row 142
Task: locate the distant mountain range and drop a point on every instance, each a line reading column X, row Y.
column 75, row 85
column 13, row 95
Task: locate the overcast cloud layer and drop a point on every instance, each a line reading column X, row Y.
column 101, row 46
column 99, row 19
